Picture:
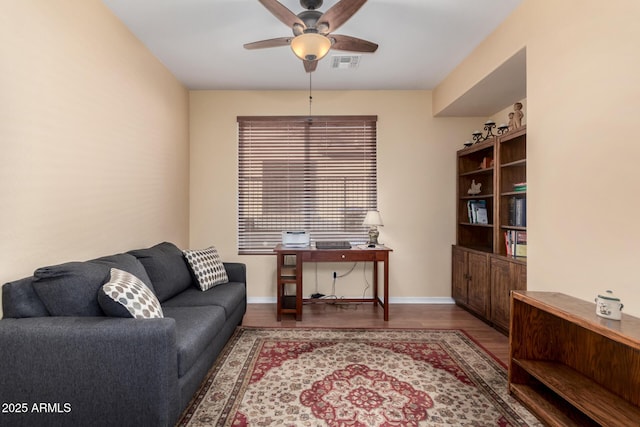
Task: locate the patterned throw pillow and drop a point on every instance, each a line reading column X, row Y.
column 124, row 295
column 207, row 267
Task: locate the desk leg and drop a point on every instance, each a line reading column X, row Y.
column 375, row 282
column 299, row 264
column 386, row 288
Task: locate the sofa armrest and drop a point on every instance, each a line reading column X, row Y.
column 88, row 370
column 236, row 271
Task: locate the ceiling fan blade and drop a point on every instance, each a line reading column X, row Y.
column 310, row 66
column 282, row 13
column 352, row 44
column 280, row 41
column 337, row 15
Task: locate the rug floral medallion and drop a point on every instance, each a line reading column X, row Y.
column 360, row 378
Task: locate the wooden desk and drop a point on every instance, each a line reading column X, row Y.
column 289, row 271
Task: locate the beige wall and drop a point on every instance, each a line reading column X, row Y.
column 582, row 93
column 93, row 137
column 416, row 191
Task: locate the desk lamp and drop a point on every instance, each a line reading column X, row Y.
column 373, row 220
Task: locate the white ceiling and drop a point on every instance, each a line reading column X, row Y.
column 200, row 42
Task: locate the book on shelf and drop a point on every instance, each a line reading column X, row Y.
column 481, row 215
column 518, row 211
column 520, row 186
column 521, row 244
column 486, row 162
column 477, row 212
column 516, row 243
column 521, row 212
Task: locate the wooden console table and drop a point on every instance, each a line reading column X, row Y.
column 289, row 271
column 570, row 366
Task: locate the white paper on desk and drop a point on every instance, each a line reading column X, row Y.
column 365, row 247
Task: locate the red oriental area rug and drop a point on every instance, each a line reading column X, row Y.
column 361, row 378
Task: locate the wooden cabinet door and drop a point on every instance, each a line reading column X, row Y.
column 479, row 289
column 505, row 277
column 501, row 278
column 459, row 275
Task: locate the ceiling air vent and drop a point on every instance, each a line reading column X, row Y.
column 345, row 62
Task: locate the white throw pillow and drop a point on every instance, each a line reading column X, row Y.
column 124, row 295
column 207, row 267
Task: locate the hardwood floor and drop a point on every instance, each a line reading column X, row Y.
column 401, row 316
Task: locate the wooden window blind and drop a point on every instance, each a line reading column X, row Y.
column 304, row 173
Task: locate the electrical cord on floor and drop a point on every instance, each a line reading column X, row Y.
column 364, row 273
column 333, row 295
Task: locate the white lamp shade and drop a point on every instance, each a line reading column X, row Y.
column 310, row 46
column 372, row 218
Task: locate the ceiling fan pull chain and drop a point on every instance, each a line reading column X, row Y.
column 310, row 97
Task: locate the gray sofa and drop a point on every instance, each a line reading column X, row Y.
column 63, row 362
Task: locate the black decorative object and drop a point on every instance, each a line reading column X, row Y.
column 489, row 125
column 502, row 129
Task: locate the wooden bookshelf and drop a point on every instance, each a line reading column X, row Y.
column 474, row 166
column 571, row 367
column 483, row 273
column 512, row 158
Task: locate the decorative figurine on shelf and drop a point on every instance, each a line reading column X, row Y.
column 511, row 124
column 475, row 188
column 518, row 115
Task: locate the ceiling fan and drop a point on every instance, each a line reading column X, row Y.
column 313, row 30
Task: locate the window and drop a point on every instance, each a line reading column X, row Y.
column 300, row 173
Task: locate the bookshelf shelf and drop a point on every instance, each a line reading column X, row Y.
column 479, row 196
column 513, row 227
column 478, row 172
column 500, row 166
column 520, row 162
column 476, row 225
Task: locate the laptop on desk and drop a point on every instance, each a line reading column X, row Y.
column 333, row 244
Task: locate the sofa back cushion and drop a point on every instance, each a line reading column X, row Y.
column 125, row 262
column 167, row 269
column 71, row 289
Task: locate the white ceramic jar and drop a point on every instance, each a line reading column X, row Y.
column 609, row 306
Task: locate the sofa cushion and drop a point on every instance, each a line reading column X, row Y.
column 124, row 295
column 196, row 327
column 228, row 296
column 166, row 267
column 128, row 263
column 207, row 267
column 19, row 299
column 71, row 289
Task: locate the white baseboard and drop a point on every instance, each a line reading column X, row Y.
column 421, row 300
column 261, row 300
column 396, row 300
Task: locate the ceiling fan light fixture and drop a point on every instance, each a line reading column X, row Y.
column 310, row 46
